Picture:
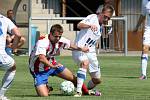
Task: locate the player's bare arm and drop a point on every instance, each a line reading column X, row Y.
column 74, row 47
column 44, row 60
column 83, row 25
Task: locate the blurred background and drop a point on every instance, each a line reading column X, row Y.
column 35, row 17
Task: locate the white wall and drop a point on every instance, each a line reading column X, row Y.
column 6, row 5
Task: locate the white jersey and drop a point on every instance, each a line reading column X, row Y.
column 6, row 25
column 86, row 37
column 146, row 11
column 44, row 46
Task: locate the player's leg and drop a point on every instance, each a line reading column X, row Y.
column 68, row 75
column 41, row 81
column 144, row 60
column 42, row 90
column 81, row 75
column 83, row 63
column 94, row 70
column 22, row 41
column 95, row 80
column 144, row 56
column 7, row 63
column 20, row 44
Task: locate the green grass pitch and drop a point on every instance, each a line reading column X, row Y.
column 119, row 75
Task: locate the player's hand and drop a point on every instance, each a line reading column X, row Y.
column 93, row 28
column 57, row 65
column 85, row 49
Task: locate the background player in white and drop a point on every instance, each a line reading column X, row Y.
column 146, row 36
column 90, row 32
column 10, row 37
column 7, row 62
column 42, row 62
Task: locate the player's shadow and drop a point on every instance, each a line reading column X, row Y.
column 56, row 94
column 25, row 96
column 130, row 77
column 59, row 95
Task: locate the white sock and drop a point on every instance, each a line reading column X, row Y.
column 6, row 82
column 91, row 85
column 81, row 76
column 144, row 60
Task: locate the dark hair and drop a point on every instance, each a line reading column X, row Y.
column 9, row 11
column 56, row 28
column 109, row 8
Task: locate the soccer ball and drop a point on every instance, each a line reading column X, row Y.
column 67, row 88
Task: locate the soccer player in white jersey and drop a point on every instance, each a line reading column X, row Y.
column 90, row 32
column 42, row 62
column 146, row 36
column 7, row 62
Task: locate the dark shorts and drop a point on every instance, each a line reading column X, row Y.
column 42, row 77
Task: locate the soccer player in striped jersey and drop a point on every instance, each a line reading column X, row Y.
column 42, row 62
column 90, row 32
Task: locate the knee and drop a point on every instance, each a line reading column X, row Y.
column 96, row 80
column 145, row 49
column 23, row 40
column 11, row 68
column 85, row 64
column 43, row 94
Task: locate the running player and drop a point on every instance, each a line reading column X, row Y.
column 90, row 32
column 7, row 62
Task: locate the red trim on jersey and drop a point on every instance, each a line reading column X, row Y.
column 53, row 48
column 53, row 61
column 36, row 65
column 41, row 37
column 59, row 45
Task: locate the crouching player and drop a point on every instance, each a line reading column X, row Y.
column 42, row 63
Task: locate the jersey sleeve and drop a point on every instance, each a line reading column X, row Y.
column 88, row 19
column 11, row 25
column 66, row 42
column 41, row 47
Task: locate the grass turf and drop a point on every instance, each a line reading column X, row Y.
column 119, row 75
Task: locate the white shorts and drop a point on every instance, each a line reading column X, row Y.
column 94, row 66
column 6, row 61
column 146, row 36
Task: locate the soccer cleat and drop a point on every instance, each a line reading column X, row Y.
column 78, row 94
column 95, row 92
column 143, row 77
column 3, row 98
column 50, row 88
